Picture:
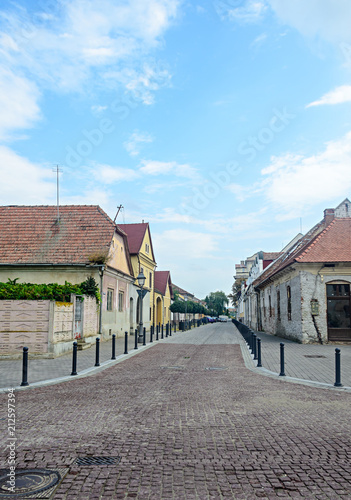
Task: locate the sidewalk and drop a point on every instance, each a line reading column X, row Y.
column 300, row 361
column 312, row 362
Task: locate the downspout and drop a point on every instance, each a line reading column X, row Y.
column 101, row 272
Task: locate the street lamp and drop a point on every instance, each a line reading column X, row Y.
column 141, row 282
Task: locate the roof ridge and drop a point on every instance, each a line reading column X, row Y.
column 316, row 239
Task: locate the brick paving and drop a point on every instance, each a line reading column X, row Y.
column 186, row 432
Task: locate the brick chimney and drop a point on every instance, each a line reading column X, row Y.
column 328, row 216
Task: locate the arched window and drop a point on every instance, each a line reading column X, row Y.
column 288, row 291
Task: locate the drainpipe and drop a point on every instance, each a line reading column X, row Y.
column 101, row 272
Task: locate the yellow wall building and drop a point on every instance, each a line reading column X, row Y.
column 163, row 297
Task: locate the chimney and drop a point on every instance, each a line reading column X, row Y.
column 328, row 216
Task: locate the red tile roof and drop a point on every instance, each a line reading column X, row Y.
column 271, row 255
column 32, row 235
column 135, row 234
column 331, row 245
column 323, row 243
column 162, row 279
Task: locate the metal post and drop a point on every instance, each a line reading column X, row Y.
column 140, row 339
column 254, row 346
column 156, row 332
column 113, row 346
column 151, row 333
column 74, row 359
column 97, row 352
column 167, row 329
column 25, row 367
column 170, row 329
column 125, row 342
column 175, row 327
column 144, row 336
column 161, row 331
column 282, row 373
column 259, row 358
column 337, row 369
column 136, row 339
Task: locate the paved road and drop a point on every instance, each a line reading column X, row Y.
column 188, row 421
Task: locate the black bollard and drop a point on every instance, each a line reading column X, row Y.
column 144, row 336
column 259, row 358
column 170, row 329
column 113, row 346
column 156, row 332
column 136, row 339
column 151, row 333
column 97, row 352
column 167, row 330
column 337, row 369
column 74, row 359
column 125, row 342
column 25, row 367
column 161, row 331
column 282, row 363
column 255, row 345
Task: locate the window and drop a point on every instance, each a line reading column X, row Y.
column 109, row 305
column 147, row 248
column 120, row 301
column 264, row 308
column 278, row 304
column 270, row 307
column 150, row 280
column 288, row 291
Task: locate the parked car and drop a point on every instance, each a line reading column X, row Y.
column 223, row 318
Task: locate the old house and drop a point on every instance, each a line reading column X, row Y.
column 39, row 244
column 163, row 297
column 304, row 294
column 143, row 259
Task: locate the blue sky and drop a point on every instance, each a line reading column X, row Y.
column 222, row 123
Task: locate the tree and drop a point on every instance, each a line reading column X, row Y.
column 216, row 301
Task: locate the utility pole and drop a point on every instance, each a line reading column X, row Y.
column 118, row 210
column 57, row 170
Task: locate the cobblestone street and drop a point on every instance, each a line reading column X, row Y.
column 188, row 421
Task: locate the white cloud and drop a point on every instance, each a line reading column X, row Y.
column 97, row 110
column 326, row 19
column 249, row 11
column 18, row 103
column 167, row 168
column 110, row 175
column 23, row 182
column 137, row 138
column 76, row 41
column 189, row 244
column 294, row 182
column 337, row 96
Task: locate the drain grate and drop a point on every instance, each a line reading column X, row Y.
column 97, row 460
column 314, row 356
column 172, row 367
column 216, row 368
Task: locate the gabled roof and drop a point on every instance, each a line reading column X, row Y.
column 162, row 279
column 136, row 234
column 323, row 243
column 33, row 235
column 177, row 288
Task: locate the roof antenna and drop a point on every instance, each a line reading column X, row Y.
column 118, row 210
column 57, row 170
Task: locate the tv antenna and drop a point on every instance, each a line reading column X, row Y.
column 58, row 170
column 118, row 211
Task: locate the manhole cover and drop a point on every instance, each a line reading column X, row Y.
column 97, row 460
column 216, row 368
column 314, row 356
column 28, row 483
column 172, row 367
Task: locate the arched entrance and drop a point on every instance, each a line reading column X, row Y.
column 158, row 311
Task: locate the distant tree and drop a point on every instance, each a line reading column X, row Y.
column 216, row 302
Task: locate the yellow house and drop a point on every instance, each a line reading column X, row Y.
column 163, row 297
column 143, row 259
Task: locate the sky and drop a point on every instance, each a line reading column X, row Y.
column 225, row 124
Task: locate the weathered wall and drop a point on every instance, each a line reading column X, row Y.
column 45, row 327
